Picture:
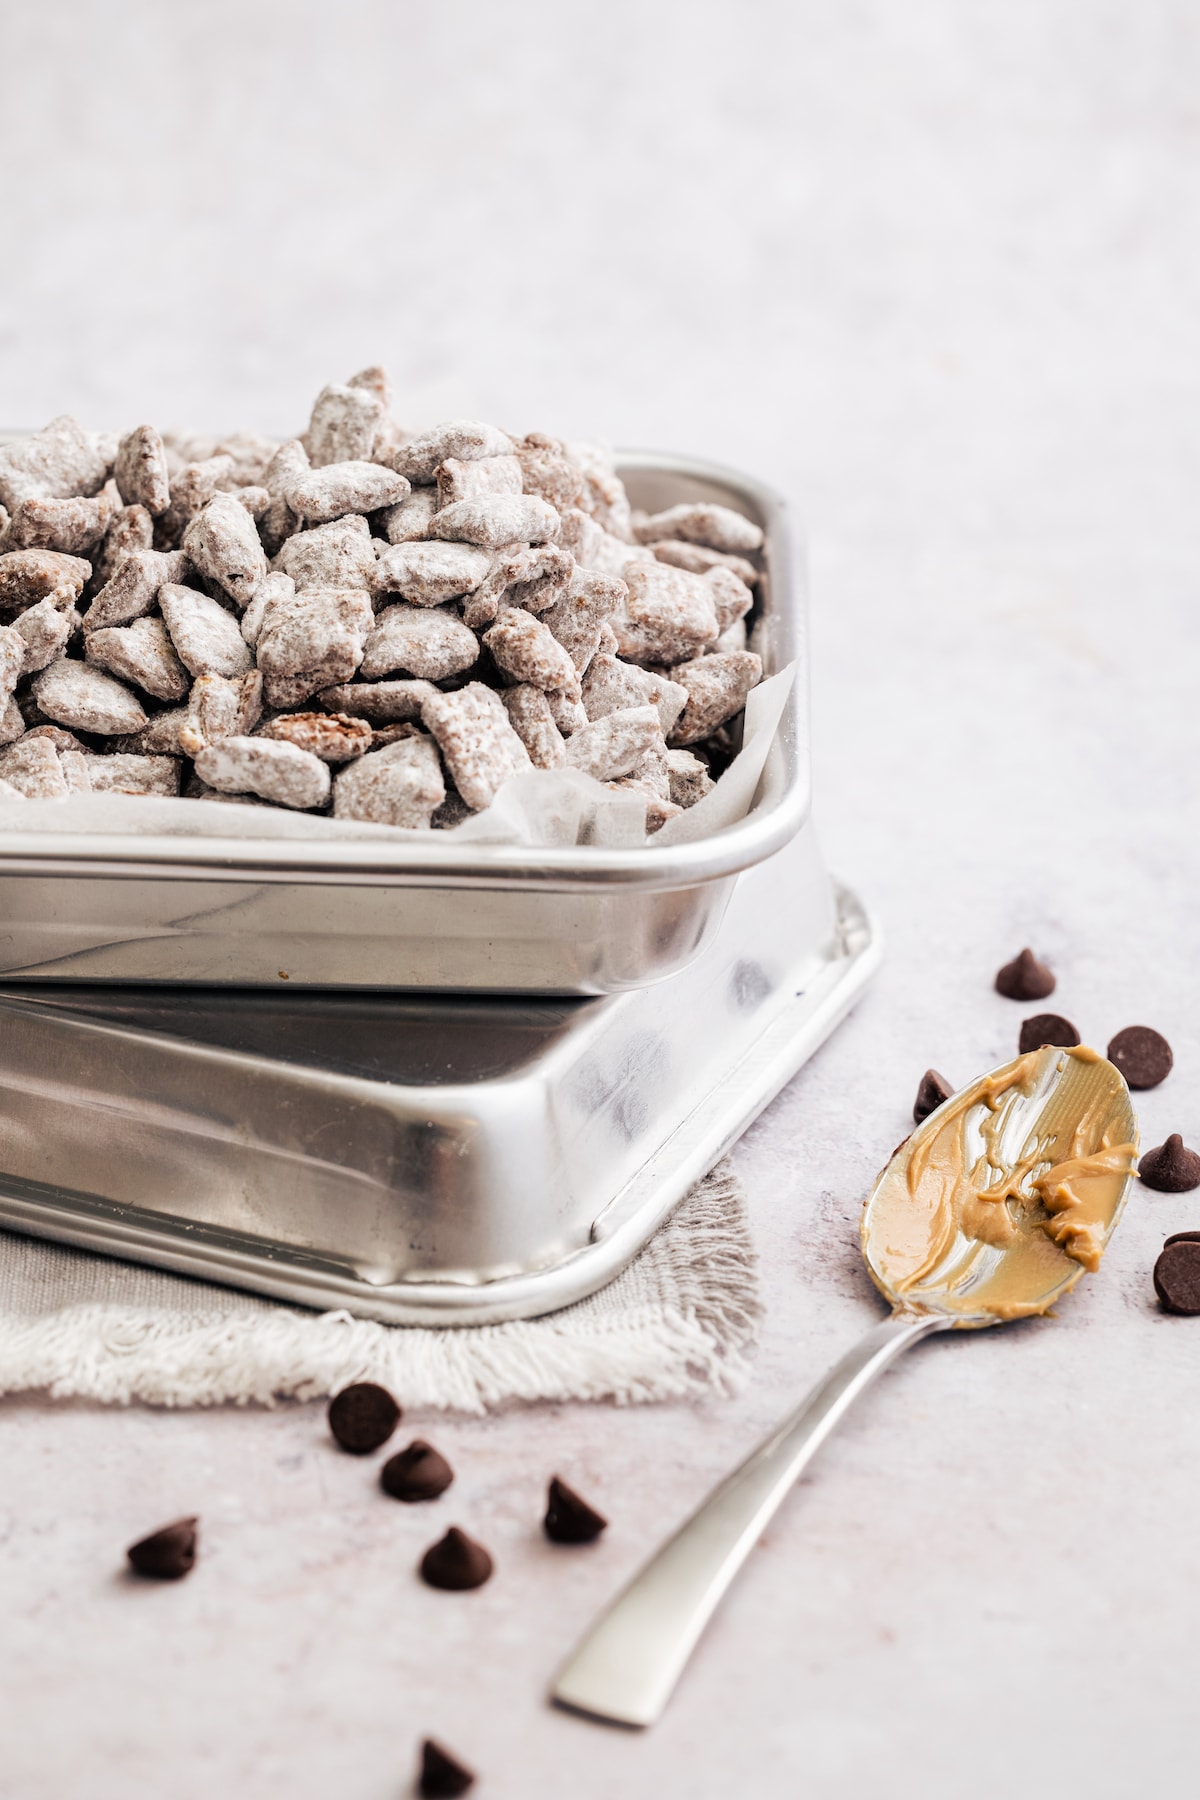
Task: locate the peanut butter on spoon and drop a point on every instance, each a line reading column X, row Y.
column 997, row 1204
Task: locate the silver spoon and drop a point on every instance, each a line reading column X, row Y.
column 990, row 1211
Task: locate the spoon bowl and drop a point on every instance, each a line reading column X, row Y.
column 1007, row 1193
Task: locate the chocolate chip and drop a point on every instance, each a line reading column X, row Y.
column 362, row 1417
column 456, row 1561
column 1170, row 1169
column 418, row 1473
column 570, row 1520
column 1025, row 978
column 933, row 1090
column 1177, row 1276
column 1046, row 1028
column 442, row 1775
column 167, row 1554
column 1142, row 1055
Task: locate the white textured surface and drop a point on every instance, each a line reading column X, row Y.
column 933, row 269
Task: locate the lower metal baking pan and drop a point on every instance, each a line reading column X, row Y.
column 428, row 914
column 422, row 1160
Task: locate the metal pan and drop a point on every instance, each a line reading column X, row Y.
column 427, row 915
column 417, row 1159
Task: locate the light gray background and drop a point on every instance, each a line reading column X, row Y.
column 932, row 268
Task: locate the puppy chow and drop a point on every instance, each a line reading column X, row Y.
column 423, row 614
column 400, row 784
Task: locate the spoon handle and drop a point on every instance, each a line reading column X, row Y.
column 625, row 1668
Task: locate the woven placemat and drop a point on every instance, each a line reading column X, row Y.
column 676, row 1323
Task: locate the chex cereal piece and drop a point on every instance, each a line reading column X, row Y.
column 140, row 470
column 566, row 711
column 311, row 641
column 85, row 699
column 218, row 708
column 697, row 522
column 580, row 618
column 532, row 578
column 12, row 660
column 492, row 520
column 30, row 575
column 717, row 688
column 475, row 737
column 133, row 589
column 75, row 526
column 467, row 440
column 343, row 487
column 223, row 544
column 595, row 548
column 264, row 766
column 699, row 559
column 379, row 702
column 9, row 792
column 604, row 492
column 12, row 722
column 206, row 638
column 410, row 519
column 75, row 771
column 688, row 777
column 56, row 735
column 46, row 630
column 459, row 480
column 32, row 767
column 124, row 774
column 143, row 654
column 669, row 614
column 424, row 641
column 191, row 490
column 616, row 744
column 546, row 470
column 256, row 500
column 526, row 649
column 428, row 574
column 732, row 638
column 659, row 807
column 611, row 685
column 377, row 381
column 402, row 784
column 340, row 554
column 130, row 529
column 344, row 425
column 279, row 521
column 274, row 587
column 731, row 597
column 529, row 713
column 54, row 464
column 331, row 736
column 159, row 737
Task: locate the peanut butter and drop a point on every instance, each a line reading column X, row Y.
column 1000, row 1201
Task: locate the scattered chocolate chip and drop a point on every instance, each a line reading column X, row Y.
column 569, row 1519
column 418, row 1473
column 1170, row 1169
column 362, row 1417
column 167, row 1554
column 933, row 1090
column 1177, row 1276
column 456, row 1561
column 1025, row 978
column 1046, row 1028
column 1142, row 1055
column 442, row 1775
